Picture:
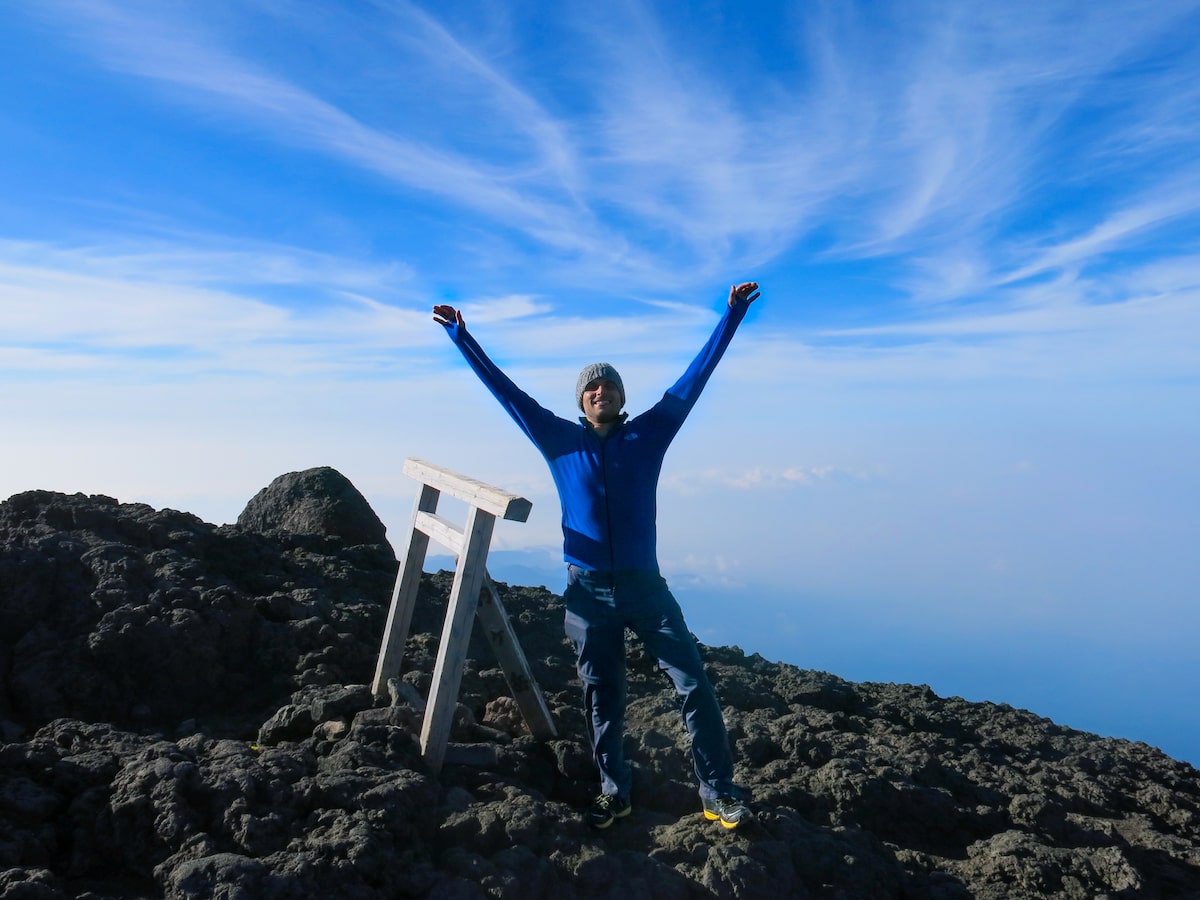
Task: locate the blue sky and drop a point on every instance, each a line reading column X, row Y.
column 955, row 442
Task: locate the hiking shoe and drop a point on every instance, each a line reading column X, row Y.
column 606, row 808
column 729, row 812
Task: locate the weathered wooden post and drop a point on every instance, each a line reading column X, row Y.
column 470, row 544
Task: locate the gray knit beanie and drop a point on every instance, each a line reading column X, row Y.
column 595, row 372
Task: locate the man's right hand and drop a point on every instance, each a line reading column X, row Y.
column 445, row 314
column 747, row 292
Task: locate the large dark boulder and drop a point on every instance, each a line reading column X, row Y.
column 319, row 501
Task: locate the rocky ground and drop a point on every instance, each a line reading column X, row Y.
column 185, row 714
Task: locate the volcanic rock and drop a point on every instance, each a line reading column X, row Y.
column 185, row 713
column 319, row 501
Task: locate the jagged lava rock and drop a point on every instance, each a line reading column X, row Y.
column 121, row 613
column 186, row 715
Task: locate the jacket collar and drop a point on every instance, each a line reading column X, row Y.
column 620, row 423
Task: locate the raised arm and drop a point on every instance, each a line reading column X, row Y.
column 682, row 396
column 532, row 418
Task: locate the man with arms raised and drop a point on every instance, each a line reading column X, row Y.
column 606, row 467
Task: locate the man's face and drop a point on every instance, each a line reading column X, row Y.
column 601, row 401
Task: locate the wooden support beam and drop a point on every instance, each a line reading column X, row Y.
column 404, row 595
column 456, row 635
column 500, row 634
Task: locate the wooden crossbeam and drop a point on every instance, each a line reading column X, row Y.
column 502, row 504
column 441, row 530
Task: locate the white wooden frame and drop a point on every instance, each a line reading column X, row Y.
column 470, row 545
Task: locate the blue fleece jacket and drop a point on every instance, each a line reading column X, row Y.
column 607, row 486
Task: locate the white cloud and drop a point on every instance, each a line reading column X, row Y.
column 754, row 478
column 505, row 309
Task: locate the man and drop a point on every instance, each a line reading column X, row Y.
column 606, row 469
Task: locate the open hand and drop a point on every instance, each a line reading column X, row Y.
column 746, row 292
column 444, row 314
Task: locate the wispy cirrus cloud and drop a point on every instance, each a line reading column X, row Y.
column 643, row 162
column 189, row 310
column 191, row 58
column 1123, row 228
column 964, row 125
